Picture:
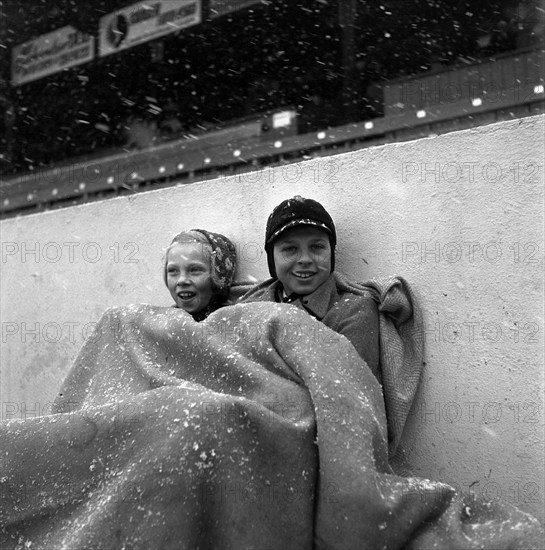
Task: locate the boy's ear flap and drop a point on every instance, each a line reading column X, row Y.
column 269, row 249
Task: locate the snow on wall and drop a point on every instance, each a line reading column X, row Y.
column 460, row 216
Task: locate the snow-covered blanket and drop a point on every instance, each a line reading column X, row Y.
column 258, row 428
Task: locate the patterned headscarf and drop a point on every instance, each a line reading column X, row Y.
column 223, row 257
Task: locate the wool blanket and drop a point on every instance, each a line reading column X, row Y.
column 401, row 342
column 258, row 428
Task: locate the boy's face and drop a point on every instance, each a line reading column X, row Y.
column 188, row 276
column 302, row 259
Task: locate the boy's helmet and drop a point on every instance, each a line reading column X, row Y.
column 291, row 213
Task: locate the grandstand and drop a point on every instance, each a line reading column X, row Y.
column 118, row 97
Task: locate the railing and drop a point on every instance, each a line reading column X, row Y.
column 187, row 160
column 507, row 73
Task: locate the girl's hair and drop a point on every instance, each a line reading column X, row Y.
column 220, row 252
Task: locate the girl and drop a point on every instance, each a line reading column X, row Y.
column 198, row 271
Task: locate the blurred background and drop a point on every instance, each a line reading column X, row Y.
column 153, row 93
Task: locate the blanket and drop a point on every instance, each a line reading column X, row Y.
column 258, row 428
column 401, row 341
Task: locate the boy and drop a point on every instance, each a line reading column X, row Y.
column 300, row 244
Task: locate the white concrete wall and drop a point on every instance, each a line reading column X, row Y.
column 459, row 215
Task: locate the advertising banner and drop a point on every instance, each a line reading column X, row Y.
column 50, row 53
column 222, row 7
column 145, row 21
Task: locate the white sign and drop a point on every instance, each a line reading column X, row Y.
column 145, row 21
column 222, row 7
column 50, row 53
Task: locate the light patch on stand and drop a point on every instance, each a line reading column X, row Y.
column 420, row 114
column 236, row 153
column 476, row 102
column 368, row 125
column 110, row 180
column 207, row 160
column 320, row 135
column 162, row 169
column 180, row 166
column 81, row 186
column 277, row 144
column 282, row 119
column 539, row 89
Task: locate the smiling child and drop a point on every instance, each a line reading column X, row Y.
column 300, row 242
column 198, row 271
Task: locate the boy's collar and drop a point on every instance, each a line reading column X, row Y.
column 318, row 302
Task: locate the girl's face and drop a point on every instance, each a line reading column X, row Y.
column 302, row 259
column 188, row 276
